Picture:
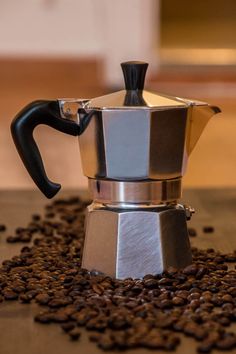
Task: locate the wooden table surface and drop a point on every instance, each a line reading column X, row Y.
column 19, row 334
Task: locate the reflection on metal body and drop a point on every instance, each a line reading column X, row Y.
column 138, row 192
column 120, row 145
column 199, row 116
column 69, row 107
column 145, row 142
column 135, row 242
column 92, row 148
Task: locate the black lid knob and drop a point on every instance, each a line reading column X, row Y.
column 134, row 74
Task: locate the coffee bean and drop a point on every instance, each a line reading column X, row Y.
column 2, row 227
column 24, row 298
column 165, row 304
column 9, row 294
column 205, row 347
column 151, row 283
column 95, row 337
column 13, row 239
column 230, row 258
column 191, row 269
column 227, row 298
column 192, row 232
column 68, row 326
column 42, row 299
column 74, row 334
column 178, row 301
column 208, row 229
column 98, row 289
column 105, row 342
column 36, row 217
column 200, row 333
column 190, row 328
column 227, row 343
column 182, row 293
column 43, row 318
column 59, row 317
column 194, row 304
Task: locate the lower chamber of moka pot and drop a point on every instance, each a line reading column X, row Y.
column 134, row 242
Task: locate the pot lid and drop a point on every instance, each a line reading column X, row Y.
column 134, row 96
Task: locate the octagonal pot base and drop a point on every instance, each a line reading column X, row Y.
column 133, row 243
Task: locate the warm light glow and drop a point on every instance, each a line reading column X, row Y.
column 199, row 56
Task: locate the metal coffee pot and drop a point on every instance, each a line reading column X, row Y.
column 134, row 147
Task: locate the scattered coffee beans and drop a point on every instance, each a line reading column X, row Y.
column 198, row 301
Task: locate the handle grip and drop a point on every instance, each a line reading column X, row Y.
column 22, row 127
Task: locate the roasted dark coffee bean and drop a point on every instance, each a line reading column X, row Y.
column 191, row 269
column 68, row 326
column 43, row 318
column 105, row 342
column 178, row 301
column 192, row 232
column 165, row 304
column 2, row 227
column 227, row 298
column 24, row 298
column 150, row 283
column 230, row 258
column 208, row 229
column 193, row 296
column 36, row 217
column 200, row 333
column 98, row 289
column 10, row 294
column 13, row 239
column 43, row 298
column 205, row 347
column 59, row 317
column 19, row 230
column 227, row 343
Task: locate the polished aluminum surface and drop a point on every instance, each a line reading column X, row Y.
column 141, row 144
column 138, row 192
column 118, row 100
column 134, row 243
column 135, row 143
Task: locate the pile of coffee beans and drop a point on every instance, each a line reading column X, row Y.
column 199, row 301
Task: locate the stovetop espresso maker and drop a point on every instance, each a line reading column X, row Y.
column 134, row 147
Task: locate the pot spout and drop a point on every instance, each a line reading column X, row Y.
column 199, row 116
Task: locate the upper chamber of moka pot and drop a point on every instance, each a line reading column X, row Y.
column 135, row 134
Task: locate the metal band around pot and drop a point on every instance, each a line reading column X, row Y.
column 138, row 192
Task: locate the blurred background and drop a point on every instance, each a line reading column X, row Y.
column 73, row 48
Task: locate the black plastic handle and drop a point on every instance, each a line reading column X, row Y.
column 22, row 127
